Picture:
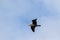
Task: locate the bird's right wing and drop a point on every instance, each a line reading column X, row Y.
column 34, row 21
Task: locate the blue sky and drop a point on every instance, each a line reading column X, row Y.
column 16, row 15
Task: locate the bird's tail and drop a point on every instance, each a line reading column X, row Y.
column 38, row 25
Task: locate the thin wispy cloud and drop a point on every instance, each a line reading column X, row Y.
column 16, row 15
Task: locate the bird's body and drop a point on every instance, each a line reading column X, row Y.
column 34, row 24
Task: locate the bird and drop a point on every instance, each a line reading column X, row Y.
column 34, row 25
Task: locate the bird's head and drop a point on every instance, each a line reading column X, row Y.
column 31, row 25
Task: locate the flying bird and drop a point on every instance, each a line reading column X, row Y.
column 34, row 25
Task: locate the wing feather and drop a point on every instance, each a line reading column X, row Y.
column 33, row 28
column 34, row 21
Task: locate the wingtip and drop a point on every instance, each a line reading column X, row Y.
column 33, row 31
column 35, row 19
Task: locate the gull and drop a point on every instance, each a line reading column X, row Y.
column 34, row 25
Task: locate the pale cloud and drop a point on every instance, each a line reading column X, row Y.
column 54, row 5
column 50, row 28
column 10, row 10
column 15, row 7
column 8, row 28
column 15, row 16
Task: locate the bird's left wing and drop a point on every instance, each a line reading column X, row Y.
column 33, row 28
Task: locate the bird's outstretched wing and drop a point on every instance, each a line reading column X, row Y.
column 34, row 21
column 33, row 28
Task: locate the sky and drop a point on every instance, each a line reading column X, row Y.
column 16, row 15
